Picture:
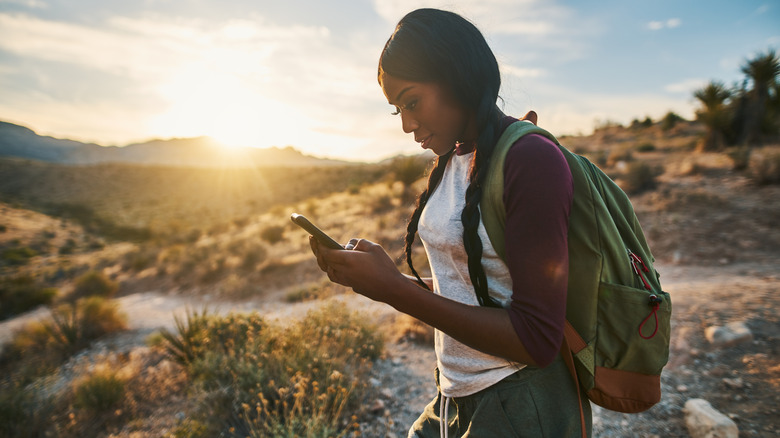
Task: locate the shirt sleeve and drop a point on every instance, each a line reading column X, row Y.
column 537, row 196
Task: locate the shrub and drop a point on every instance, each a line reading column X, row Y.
column 73, row 325
column 39, row 347
column 619, row 154
column 140, row 259
column 100, row 391
column 69, row 247
column 740, row 157
column 272, row 234
column 670, row 120
column 301, row 379
column 645, row 147
column 22, row 414
column 381, row 203
column 765, row 166
column 253, row 256
column 408, row 170
column 93, row 283
column 639, row 177
column 22, row 293
column 18, row 255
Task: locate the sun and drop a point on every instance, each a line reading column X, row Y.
column 220, row 105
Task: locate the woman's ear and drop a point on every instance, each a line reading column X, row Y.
column 530, row 116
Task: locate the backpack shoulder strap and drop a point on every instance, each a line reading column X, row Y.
column 492, row 205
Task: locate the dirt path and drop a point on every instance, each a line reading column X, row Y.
column 701, row 296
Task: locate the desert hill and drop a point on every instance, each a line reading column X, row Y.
column 21, row 142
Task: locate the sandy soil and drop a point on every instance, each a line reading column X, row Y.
column 742, row 381
column 717, row 239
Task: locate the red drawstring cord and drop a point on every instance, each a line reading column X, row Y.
column 655, row 302
column 634, row 260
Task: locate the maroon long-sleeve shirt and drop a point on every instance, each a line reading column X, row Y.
column 537, row 195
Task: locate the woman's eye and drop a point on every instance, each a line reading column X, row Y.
column 408, row 107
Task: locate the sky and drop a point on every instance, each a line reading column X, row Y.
column 265, row 73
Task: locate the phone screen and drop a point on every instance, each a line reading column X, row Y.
column 318, row 234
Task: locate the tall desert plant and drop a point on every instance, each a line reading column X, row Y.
column 762, row 71
column 714, row 113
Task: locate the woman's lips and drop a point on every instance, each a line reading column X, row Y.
column 424, row 142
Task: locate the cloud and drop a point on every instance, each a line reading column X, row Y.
column 521, row 72
column 198, row 73
column 507, row 17
column 32, row 4
column 668, row 24
column 687, row 86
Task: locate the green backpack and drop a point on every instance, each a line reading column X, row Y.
column 618, row 318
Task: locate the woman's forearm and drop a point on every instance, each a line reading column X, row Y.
column 427, row 280
column 486, row 329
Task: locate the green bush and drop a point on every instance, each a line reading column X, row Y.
column 99, row 392
column 408, row 170
column 740, row 157
column 764, row 167
column 272, row 234
column 22, row 293
column 645, row 147
column 670, row 120
column 619, row 154
column 22, row 414
column 638, row 177
column 253, row 256
column 140, row 259
column 19, row 255
column 381, row 203
column 301, row 379
column 93, row 283
column 71, row 327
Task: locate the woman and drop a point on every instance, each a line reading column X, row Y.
column 499, row 325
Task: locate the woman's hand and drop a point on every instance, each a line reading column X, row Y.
column 362, row 265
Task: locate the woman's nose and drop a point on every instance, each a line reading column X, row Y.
column 408, row 123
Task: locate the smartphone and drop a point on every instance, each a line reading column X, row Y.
column 320, row 235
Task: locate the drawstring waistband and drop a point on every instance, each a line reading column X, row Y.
column 443, row 414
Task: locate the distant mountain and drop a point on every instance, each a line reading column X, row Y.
column 22, row 142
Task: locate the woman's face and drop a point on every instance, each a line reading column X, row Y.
column 430, row 112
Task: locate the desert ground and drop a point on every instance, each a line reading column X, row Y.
column 713, row 230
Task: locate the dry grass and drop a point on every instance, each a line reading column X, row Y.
column 250, row 250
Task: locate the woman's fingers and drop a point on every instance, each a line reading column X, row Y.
column 315, row 248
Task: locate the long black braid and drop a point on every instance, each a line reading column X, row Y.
column 414, row 221
column 470, row 216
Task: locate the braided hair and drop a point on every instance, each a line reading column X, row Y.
column 431, row 45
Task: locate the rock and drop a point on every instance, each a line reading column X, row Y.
column 377, row 406
column 734, row 383
column 703, row 421
column 729, row 335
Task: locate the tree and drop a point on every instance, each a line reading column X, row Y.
column 714, row 113
column 762, row 71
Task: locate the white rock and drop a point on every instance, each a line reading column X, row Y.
column 731, row 334
column 734, row 383
column 703, row 421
